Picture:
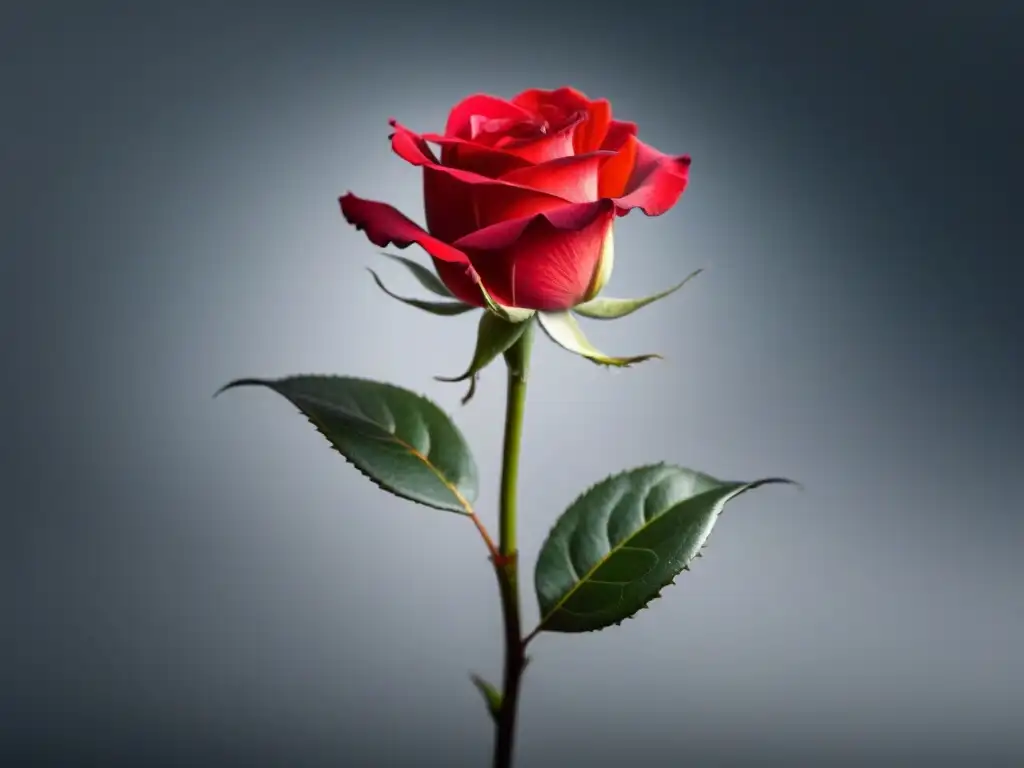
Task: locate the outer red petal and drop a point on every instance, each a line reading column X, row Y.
column 572, row 178
column 464, row 154
column 618, row 132
column 590, row 135
column 459, row 202
column 483, row 105
column 616, row 173
column 544, row 262
column 409, row 146
column 460, row 281
column 657, row 181
column 384, row 224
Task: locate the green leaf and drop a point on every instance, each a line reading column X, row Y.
column 608, row 308
column 563, row 329
column 426, row 278
column 494, row 336
column 492, row 697
column 623, row 540
column 434, row 307
column 400, row 440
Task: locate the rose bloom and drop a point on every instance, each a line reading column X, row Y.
column 524, row 196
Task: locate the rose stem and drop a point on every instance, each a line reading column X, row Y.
column 517, row 359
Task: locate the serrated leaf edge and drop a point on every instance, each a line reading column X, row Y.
column 743, row 488
column 467, row 508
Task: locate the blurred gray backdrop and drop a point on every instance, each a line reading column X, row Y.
column 199, row 582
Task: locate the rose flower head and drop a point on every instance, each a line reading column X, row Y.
column 520, row 205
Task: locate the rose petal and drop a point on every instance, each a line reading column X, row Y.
column 461, row 281
column 565, row 98
column 464, row 154
column 459, row 202
column 616, row 172
column 544, row 262
column 483, row 105
column 657, row 181
column 618, row 132
column 554, row 107
column 410, row 146
column 589, row 134
column 549, row 146
column 384, row 224
column 572, row 178
column 640, row 176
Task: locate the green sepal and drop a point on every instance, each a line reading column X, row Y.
column 424, row 276
column 447, row 308
column 562, row 328
column 400, row 440
column 508, row 314
column 492, row 696
column 625, row 539
column 608, row 308
column 494, row 337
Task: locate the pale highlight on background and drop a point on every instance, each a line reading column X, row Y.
column 202, row 582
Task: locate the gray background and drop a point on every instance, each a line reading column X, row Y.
column 194, row 582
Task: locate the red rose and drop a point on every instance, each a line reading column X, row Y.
column 524, row 196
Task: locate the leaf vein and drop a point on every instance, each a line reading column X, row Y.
column 388, row 424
